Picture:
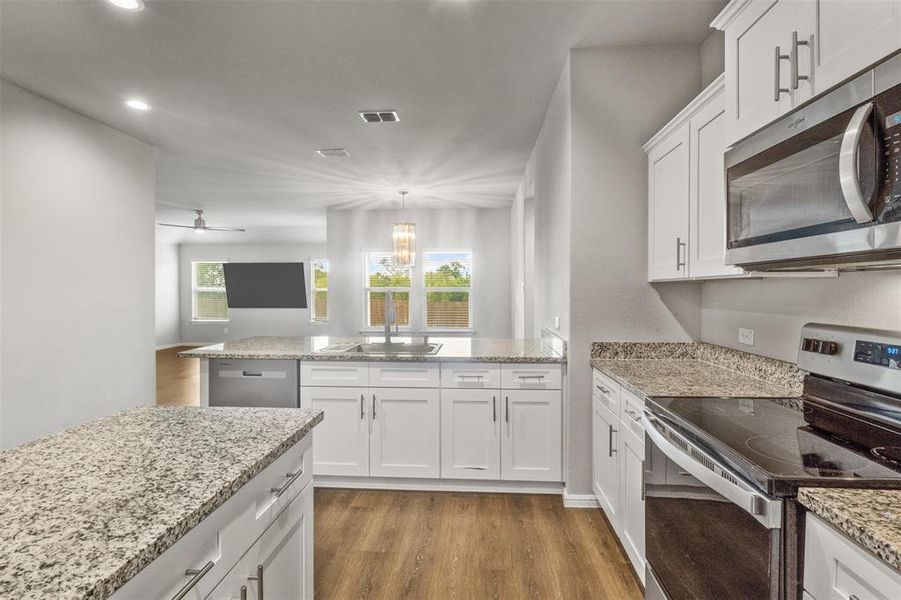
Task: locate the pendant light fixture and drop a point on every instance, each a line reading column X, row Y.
column 404, row 235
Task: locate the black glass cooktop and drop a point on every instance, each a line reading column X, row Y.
column 772, row 444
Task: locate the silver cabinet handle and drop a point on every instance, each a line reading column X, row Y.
column 243, row 592
column 794, row 60
column 292, row 477
column 196, row 575
column 465, row 377
column 680, row 261
column 252, row 373
column 848, row 174
column 642, row 481
column 494, row 409
column 507, row 409
column 610, row 449
column 602, row 389
column 373, row 407
column 362, row 410
column 778, row 57
column 259, row 579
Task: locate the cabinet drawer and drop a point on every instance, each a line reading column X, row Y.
column 404, row 374
column 531, row 377
column 345, row 374
column 631, row 416
column 471, row 375
column 836, row 567
column 606, row 390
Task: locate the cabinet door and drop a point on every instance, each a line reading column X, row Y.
column 631, row 486
column 470, row 434
column 605, row 466
column 707, row 207
column 847, row 37
column 531, row 440
column 283, row 556
column 341, row 443
column 668, row 207
column 751, row 66
column 406, row 431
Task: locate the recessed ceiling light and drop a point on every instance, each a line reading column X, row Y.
column 137, row 104
column 128, row 4
column 380, row 116
column 333, row 152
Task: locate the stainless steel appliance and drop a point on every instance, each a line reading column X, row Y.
column 254, row 383
column 820, row 187
column 722, row 520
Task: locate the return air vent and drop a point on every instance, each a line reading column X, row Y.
column 333, row 152
column 379, row 116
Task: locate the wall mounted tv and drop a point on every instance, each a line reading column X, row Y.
column 265, row 285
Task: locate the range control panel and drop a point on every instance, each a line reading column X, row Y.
column 819, row 346
column 877, row 353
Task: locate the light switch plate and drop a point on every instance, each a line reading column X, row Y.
column 745, row 336
column 556, row 322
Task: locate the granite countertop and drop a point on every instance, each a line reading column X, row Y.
column 83, row 511
column 872, row 518
column 695, row 369
column 310, row 348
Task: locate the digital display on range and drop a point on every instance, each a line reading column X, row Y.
column 876, row 353
column 892, row 120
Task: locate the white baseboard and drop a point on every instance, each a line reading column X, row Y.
column 437, row 485
column 579, row 500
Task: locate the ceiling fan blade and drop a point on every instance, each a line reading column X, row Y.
column 224, row 229
column 176, row 225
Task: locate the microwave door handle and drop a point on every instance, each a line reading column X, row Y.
column 848, row 172
column 768, row 512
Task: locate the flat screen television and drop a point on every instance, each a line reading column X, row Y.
column 265, row 285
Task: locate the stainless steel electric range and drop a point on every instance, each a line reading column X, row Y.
column 722, row 520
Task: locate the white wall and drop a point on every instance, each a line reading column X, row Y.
column 246, row 322
column 713, row 57
column 76, row 278
column 485, row 231
column 776, row 309
column 167, row 309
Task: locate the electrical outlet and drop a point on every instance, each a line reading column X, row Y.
column 225, row 331
column 556, row 322
column 745, row 336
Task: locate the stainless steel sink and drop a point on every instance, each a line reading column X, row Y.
column 392, row 348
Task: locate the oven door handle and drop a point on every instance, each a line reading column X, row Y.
column 711, row 473
column 848, row 172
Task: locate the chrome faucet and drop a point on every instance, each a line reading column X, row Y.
column 390, row 316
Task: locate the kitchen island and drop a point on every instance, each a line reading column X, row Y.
column 134, row 499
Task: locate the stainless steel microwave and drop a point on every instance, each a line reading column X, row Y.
column 820, row 187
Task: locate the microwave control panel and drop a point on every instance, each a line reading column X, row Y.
column 876, row 353
column 888, row 116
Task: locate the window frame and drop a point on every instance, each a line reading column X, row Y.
column 195, row 288
column 425, row 290
column 367, row 289
column 314, row 289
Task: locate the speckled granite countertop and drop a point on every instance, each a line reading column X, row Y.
column 872, row 518
column 310, row 348
column 83, row 511
column 695, row 369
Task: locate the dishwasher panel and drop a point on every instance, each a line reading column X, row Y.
column 254, row 383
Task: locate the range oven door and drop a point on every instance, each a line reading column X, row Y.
column 708, row 534
column 815, row 185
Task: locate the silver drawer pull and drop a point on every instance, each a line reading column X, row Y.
column 602, row 389
column 243, row 592
column 292, row 478
column 196, row 575
column 465, row 377
column 635, row 416
column 259, row 579
column 252, row 373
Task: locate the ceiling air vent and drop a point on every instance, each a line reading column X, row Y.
column 379, row 116
column 333, row 152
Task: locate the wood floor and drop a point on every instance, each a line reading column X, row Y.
column 177, row 379
column 436, row 546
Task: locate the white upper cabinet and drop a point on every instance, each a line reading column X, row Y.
column 782, row 53
column 707, row 194
column 846, row 36
column 668, row 207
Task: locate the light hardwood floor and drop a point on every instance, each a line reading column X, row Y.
column 177, row 379
column 437, row 546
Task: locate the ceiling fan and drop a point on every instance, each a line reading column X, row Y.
column 200, row 225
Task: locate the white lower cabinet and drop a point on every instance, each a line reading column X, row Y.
column 531, row 440
column 405, row 440
column 342, row 438
column 470, row 434
column 605, row 465
column 631, row 487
